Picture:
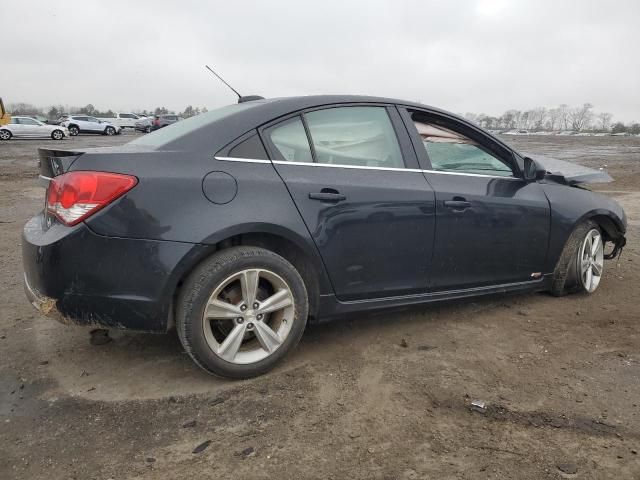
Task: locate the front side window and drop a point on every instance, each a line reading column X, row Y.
column 94, row 120
column 451, row 151
column 290, row 141
column 360, row 136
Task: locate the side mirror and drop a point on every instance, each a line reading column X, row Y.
column 532, row 170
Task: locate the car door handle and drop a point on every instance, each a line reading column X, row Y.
column 457, row 204
column 328, row 195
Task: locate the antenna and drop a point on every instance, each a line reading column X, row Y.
column 223, row 81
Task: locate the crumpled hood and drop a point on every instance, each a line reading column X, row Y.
column 571, row 173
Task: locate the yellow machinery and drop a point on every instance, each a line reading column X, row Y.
column 5, row 117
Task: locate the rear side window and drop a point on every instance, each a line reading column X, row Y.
column 361, row 136
column 251, row 148
column 164, row 136
column 290, row 141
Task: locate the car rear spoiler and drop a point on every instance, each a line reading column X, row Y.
column 52, row 163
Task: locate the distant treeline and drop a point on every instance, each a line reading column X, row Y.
column 56, row 111
column 578, row 119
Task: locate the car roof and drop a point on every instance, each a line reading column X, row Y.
column 212, row 131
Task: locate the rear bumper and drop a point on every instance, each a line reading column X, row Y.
column 76, row 276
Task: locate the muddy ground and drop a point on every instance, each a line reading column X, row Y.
column 371, row 397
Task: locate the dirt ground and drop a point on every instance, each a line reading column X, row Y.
column 369, row 397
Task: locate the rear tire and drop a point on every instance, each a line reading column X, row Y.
column 73, row 130
column 5, row 135
column 567, row 276
column 110, row 131
column 57, row 135
column 217, row 304
column 147, row 129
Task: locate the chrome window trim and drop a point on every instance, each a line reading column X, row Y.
column 359, row 167
column 244, row 160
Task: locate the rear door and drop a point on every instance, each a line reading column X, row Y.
column 492, row 226
column 352, row 174
column 17, row 129
column 82, row 122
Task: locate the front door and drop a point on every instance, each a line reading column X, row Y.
column 491, row 225
column 371, row 217
column 28, row 127
column 94, row 125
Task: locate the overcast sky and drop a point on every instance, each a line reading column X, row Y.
column 464, row 56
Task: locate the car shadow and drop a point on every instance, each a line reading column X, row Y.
column 149, row 366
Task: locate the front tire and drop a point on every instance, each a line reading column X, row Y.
column 74, row 130
column 57, row 135
column 110, row 131
column 147, row 129
column 581, row 263
column 241, row 311
column 5, row 135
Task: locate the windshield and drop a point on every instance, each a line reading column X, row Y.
column 180, row 128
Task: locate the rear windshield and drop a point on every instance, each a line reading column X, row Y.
column 168, row 134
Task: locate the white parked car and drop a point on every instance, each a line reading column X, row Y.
column 124, row 120
column 86, row 124
column 27, row 127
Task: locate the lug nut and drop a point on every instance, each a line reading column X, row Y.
column 256, row 305
column 249, row 326
column 259, row 316
column 243, row 307
column 239, row 319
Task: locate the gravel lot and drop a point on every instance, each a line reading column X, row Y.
column 371, row 397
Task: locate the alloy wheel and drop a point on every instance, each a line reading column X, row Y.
column 248, row 316
column 5, row 135
column 57, row 135
column 591, row 260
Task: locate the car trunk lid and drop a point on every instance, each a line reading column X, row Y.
column 52, row 163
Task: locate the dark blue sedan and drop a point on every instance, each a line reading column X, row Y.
column 238, row 225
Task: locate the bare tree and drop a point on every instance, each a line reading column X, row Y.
column 604, row 121
column 554, row 119
column 564, row 115
column 23, row 109
column 537, row 117
column 581, row 117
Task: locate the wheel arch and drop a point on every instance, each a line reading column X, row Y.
column 610, row 224
column 279, row 240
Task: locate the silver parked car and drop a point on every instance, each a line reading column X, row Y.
column 27, row 127
column 87, row 124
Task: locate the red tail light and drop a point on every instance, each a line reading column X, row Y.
column 74, row 196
